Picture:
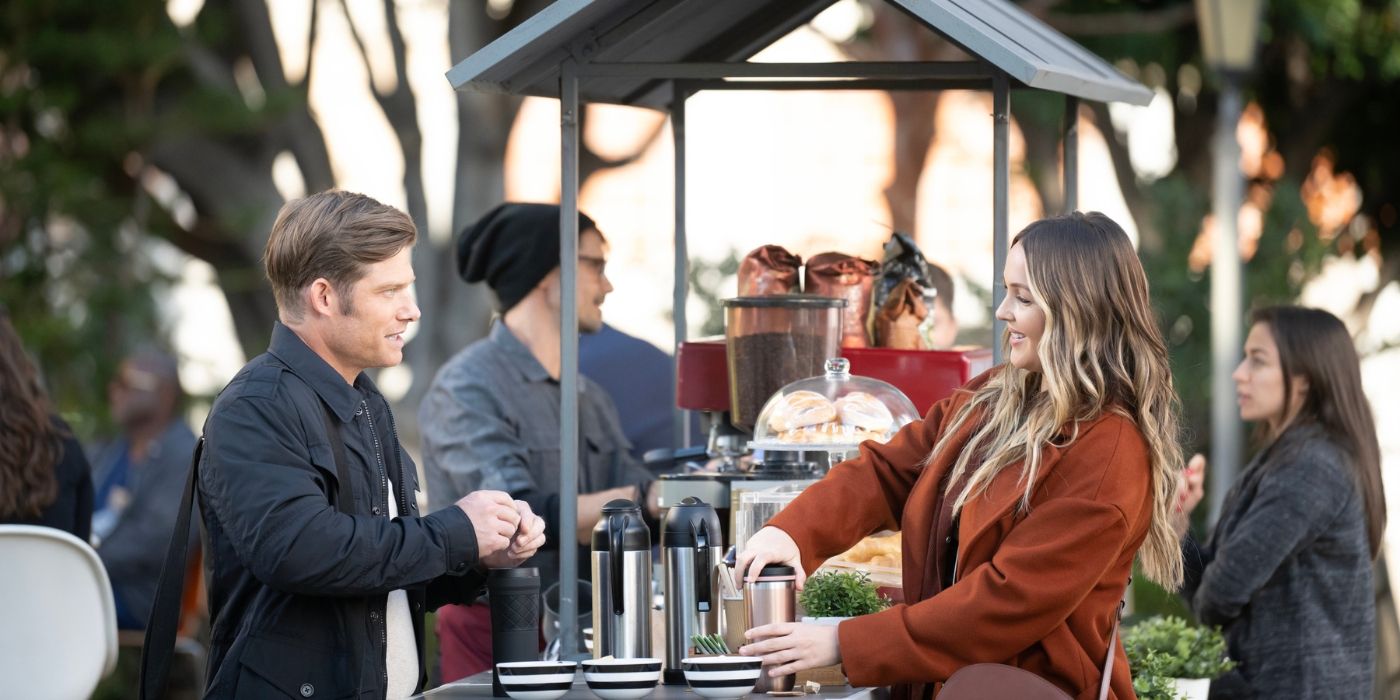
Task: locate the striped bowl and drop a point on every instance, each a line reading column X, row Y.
column 722, row 677
column 622, row 679
column 536, row 680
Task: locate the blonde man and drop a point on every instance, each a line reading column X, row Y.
column 320, row 565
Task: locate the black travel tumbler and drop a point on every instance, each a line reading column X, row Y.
column 514, row 595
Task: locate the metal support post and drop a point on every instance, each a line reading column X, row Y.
column 1001, row 202
column 1226, row 299
column 681, row 426
column 568, row 357
column 1071, row 146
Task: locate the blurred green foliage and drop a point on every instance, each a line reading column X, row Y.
column 72, row 273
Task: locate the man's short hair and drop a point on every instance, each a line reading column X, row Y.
column 334, row 235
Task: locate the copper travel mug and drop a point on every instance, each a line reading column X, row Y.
column 772, row 597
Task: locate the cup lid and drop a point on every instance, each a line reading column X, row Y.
column 518, row 572
column 775, row 571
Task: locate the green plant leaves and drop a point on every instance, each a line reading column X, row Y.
column 1171, row 647
column 841, row 594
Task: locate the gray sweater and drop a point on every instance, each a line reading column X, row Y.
column 1287, row 573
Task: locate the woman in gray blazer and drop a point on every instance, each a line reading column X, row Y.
column 1287, row 570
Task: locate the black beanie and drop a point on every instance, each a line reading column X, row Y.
column 512, row 248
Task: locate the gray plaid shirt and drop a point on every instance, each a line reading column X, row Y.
column 491, row 421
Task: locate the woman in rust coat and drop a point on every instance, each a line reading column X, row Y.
column 1022, row 499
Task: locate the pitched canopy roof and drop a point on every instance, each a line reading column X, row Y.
column 526, row 60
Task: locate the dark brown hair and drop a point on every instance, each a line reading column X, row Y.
column 1315, row 345
column 333, row 235
column 30, row 441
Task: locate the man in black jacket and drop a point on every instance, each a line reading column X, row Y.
column 319, row 565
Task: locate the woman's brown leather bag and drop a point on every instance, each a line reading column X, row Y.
column 1003, row 682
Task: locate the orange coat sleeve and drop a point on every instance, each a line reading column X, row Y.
column 864, row 495
column 1080, row 524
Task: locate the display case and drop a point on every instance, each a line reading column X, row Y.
column 833, row 412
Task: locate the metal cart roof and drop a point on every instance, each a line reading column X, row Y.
column 656, row 53
column 527, row 60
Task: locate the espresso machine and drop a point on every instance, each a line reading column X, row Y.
column 692, row 546
column 621, row 582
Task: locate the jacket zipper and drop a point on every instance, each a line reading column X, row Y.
column 384, row 499
column 394, row 433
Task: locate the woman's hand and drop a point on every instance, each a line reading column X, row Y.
column 770, row 546
column 1190, row 491
column 789, row 647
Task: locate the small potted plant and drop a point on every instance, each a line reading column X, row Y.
column 828, row 598
column 1191, row 655
column 832, row 596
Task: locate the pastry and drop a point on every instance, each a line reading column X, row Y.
column 863, row 410
column 801, row 408
column 829, row 433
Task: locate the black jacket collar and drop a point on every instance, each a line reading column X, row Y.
column 288, row 347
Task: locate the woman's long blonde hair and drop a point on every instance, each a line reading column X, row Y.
column 1101, row 351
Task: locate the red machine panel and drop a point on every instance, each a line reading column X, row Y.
column 925, row 376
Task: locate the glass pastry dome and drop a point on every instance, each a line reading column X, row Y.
column 833, row 412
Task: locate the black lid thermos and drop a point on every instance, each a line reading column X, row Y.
column 514, row 596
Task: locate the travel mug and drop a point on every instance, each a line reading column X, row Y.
column 514, row 596
column 772, row 597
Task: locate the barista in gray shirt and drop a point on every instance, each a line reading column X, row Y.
column 491, row 418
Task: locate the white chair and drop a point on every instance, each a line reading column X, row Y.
column 58, row 624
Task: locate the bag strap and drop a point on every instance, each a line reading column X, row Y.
column 342, row 471
column 159, row 643
column 1112, row 644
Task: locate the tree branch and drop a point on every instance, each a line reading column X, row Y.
column 1167, row 19
column 1139, row 205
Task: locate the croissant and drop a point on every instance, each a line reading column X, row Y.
column 863, row 410
column 801, row 408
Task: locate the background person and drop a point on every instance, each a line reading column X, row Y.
column 1022, row 499
column 491, row 416
column 1287, row 569
column 44, row 477
column 139, row 479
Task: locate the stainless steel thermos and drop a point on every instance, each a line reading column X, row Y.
column 621, row 582
column 691, row 548
column 772, row 597
column 514, row 596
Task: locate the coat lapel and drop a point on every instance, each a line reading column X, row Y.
column 1000, row 503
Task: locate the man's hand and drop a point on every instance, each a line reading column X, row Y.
column 529, row 537
column 653, row 500
column 590, row 508
column 494, row 518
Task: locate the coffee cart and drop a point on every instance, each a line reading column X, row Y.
column 657, row 53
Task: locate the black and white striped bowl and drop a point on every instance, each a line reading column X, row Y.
column 622, row 679
column 536, row 680
column 722, row 677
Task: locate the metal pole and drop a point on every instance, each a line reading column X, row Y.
column 568, row 359
column 1001, row 203
column 1071, row 145
column 1226, row 298
column 681, row 426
